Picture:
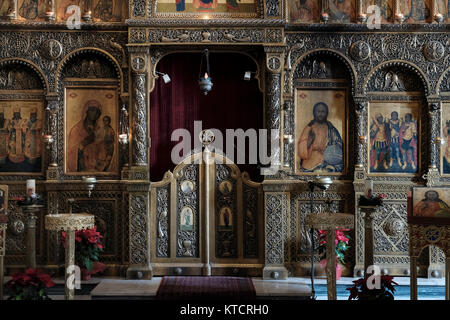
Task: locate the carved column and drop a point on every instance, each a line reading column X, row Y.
column 52, row 123
column 361, row 129
column 288, row 134
column 274, row 63
column 437, row 258
column 276, row 211
column 138, row 174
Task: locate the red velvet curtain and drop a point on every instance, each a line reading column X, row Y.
column 232, row 103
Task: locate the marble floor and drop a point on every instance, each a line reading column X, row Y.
column 294, row 288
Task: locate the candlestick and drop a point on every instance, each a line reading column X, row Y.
column 31, row 187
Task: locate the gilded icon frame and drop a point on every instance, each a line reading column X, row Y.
column 414, row 104
column 344, row 132
column 36, row 103
column 421, row 192
column 113, row 113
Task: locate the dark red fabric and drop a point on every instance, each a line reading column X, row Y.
column 205, row 287
column 233, row 103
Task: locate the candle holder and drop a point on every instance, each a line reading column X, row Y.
column 400, row 18
column 90, row 184
column 439, row 18
column 362, row 18
column 87, row 16
column 325, row 17
column 50, row 16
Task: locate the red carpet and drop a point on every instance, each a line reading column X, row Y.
column 177, row 288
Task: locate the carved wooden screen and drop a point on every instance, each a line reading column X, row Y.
column 202, row 219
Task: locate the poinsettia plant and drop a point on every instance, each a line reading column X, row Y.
column 31, row 285
column 341, row 240
column 88, row 245
column 360, row 290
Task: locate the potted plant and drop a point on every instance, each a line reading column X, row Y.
column 87, row 249
column 341, row 245
column 31, row 285
column 360, row 290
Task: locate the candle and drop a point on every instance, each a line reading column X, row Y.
column 360, row 7
column 31, row 187
column 368, row 189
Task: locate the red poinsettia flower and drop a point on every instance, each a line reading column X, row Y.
column 382, row 196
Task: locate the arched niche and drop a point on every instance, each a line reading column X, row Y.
column 90, row 79
column 22, row 119
column 232, row 103
column 396, row 93
column 328, row 77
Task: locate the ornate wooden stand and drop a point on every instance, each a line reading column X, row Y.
column 422, row 236
column 3, row 224
column 69, row 223
column 369, row 213
column 30, row 212
column 330, row 222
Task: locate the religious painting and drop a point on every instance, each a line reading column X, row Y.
column 430, row 205
column 32, row 9
column 21, row 130
column 445, row 146
column 187, row 219
column 187, row 186
column 415, row 11
column 386, row 8
column 91, row 126
column 304, row 11
column 5, row 8
column 225, row 218
column 232, row 7
column 341, row 11
column 109, row 10
column 321, row 130
column 3, row 199
column 68, row 8
column 225, row 187
column 393, row 143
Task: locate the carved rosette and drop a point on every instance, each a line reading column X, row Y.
column 138, row 8
column 434, row 51
column 140, row 145
column 360, row 51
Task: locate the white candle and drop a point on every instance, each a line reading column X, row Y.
column 31, row 187
column 368, row 189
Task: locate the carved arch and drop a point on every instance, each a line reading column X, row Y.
column 29, row 65
column 156, row 59
column 96, row 51
column 408, row 66
column 325, row 52
column 445, row 75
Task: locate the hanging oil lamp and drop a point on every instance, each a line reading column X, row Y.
column 47, row 136
column 123, row 135
column 205, row 81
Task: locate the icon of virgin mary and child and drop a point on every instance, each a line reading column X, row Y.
column 320, row 144
column 91, row 143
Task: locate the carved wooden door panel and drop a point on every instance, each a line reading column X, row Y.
column 206, row 220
